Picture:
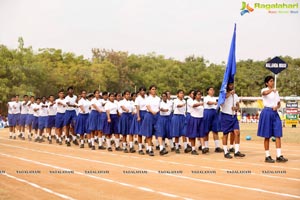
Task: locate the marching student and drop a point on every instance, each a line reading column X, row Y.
column 171, row 142
column 11, row 119
column 36, row 113
column 178, row 119
column 95, row 120
column 112, row 122
column 17, row 114
column 149, row 126
column 23, row 116
column 195, row 128
column 70, row 116
column 133, row 126
column 163, row 123
column 81, row 121
column 50, row 123
column 103, row 118
column 189, row 105
column 141, row 110
column 211, row 120
column 42, row 108
column 229, row 121
column 125, row 121
column 269, row 121
column 30, row 117
column 60, row 115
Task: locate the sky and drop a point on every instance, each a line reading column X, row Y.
column 173, row 28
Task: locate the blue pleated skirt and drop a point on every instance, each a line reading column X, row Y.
column 195, row 127
column 178, row 126
column 81, row 124
column 163, row 127
column 269, row 124
column 149, row 124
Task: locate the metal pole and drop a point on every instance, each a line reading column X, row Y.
column 275, row 81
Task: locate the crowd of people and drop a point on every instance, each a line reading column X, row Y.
column 129, row 120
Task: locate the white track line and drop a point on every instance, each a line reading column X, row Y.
column 39, row 187
column 176, row 176
column 175, row 155
column 96, row 177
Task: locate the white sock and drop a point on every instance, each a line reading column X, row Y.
column 150, row 148
column 124, row 145
column 278, row 152
column 81, row 141
column 147, row 147
column 237, row 148
column 14, row 134
column 130, row 144
column 193, row 148
column 140, row 146
column 161, row 147
column 59, row 139
column 10, row 134
column 185, row 145
column 225, row 149
column 177, row 145
column 171, row 143
column 100, row 141
column 231, row 146
column 163, row 144
column 41, row 137
column 95, row 137
column 267, row 153
column 108, row 142
column 93, row 141
column 156, row 142
column 217, row 143
column 117, row 141
column 89, row 141
column 68, row 139
column 206, row 144
column 74, row 137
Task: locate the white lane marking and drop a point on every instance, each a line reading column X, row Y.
column 94, row 177
column 39, row 187
column 176, row 176
column 176, row 163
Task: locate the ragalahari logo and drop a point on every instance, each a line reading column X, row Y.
column 246, row 8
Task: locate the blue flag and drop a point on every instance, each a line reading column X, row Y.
column 230, row 70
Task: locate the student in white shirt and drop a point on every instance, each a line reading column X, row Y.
column 30, row 117
column 23, row 116
column 269, row 121
column 11, row 120
column 42, row 108
column 50, row 123
column 60, row 115
column 35, row 123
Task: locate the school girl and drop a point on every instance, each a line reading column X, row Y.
column 103, row 118
column 133, row 125
column 23, row 116
column 211, row 120
column 178, row 119
column 35, row 123
column 50, row 123
column 111, row 125
column 163, row 123
column 269, row 121
column 30, row 117
column 141, row 110
column 195, row 128
column 11, row 120
column 81, row 121
column 149, row 124
column 189, row 105
column 125, row 122
column 70, row 116
column 17, row 113
column 42, row 118
column 60, row 115
column 229, row 121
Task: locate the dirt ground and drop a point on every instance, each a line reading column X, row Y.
column 30, row 170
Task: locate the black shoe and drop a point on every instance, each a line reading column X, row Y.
column 118, row 149
column 81, row 146
column 269, row 160
column 227, row 155
column 93, row 148
column 14, row 137
column 136, row 142
column 219, row 150
column 232, row 150
column 189, row 146
column 194, row 152
column 205, row 150
column 60, row 142
column 96, row 140
column 20, row 135
column 109, row 149
column 112, row 142
column 125, row 150
column 141, row 152
column 177, row 151
column 36, row 139
column 101, row 147
column 179, row 146
column 151, row 153
column 157, row 148
column 57, row 141
column 281, row 159
column 163, row 152
column 50, row 141
column 173, row 149
column 90, row 145
column 147, row 151
column 132, row 150
column 10, row 137
column 187, row 150
column 68, row 144
column 41, row 140
column 200, row 148
column 75, row 142
column 22, row 138
column 239, row 154
column 143, row 146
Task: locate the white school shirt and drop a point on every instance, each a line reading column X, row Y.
column 133, row 105
column 85, row 104
column 30, row 107
column 36, row 113
column 181, row 110
column 97, row 103
column 60, row 108
column 43, row 111
column 127, row 104
column 166, row 105
column 190, row 103
column 142, row 102
column 197, row 111
column 153, row 102
column 17, row 107
column 111, row 106
column 24, row 108
column 71, row 101
column 10, row 107
column 211, row 99
column 229, row 102
column 52, row 110
column 271, row 99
